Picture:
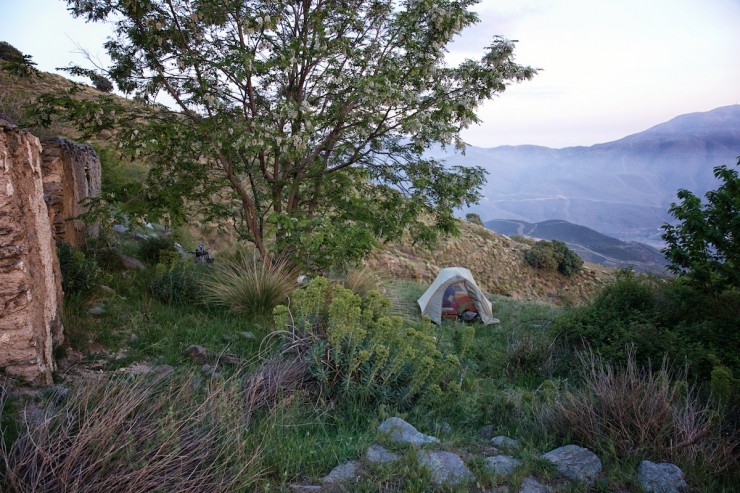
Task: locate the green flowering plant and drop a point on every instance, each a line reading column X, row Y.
column 362, row 354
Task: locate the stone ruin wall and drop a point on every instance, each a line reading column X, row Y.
column 71, row 173
column 30, row 281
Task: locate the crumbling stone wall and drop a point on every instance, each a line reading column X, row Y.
column 71, row 174
column 30, row 282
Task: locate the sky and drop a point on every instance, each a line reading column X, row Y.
column 610, row 68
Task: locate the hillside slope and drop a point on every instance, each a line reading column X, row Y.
column 497, row 263
column 589, row 244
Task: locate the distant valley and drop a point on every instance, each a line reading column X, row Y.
column 590, row 245
column 621, row 188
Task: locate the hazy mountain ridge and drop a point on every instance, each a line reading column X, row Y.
column 591, row 245
column 621, row 188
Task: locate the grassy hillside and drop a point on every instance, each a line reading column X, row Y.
column 497, row 262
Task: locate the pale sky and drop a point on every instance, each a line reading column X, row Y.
column 610, row 67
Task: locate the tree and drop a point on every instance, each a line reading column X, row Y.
column 304, row 121
column 704, row 247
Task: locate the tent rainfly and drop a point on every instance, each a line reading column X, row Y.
column 454, row 282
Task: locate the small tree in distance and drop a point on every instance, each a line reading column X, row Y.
column 302, row 122
column 704, row 247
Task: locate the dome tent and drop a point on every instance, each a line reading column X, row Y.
column 456, row 282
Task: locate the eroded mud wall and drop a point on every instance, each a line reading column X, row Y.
column 30, row 282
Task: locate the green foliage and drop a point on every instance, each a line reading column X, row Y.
column 705, row 246
column 249, row 285
column 363, row 355
column 175, row 281
column 725, row 387
column 657, row 318
column 554, row 255
column 80, row 274
column 15, row 62
column 152, row 248
column 305, row 126
column 9, row 52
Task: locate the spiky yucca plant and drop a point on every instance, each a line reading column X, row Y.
column 249, row 285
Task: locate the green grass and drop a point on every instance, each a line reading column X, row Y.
column 511, row 375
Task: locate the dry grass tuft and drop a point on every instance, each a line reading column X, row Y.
column 272, row 383
column 361, row 280
column 249, row 285
column 136, row 435
column 643, row 413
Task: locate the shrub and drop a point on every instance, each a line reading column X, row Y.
column 640, row 413
column 657, row 318
column 554, row 255
column 249, row 285
column 16, row 62
column 359, row 354
column 136, row 435
column 360, row 280
column 9, row 52
column 151, row 248
column 101, row 83
column 79, row 273
column 177, row 282
column 474, row 218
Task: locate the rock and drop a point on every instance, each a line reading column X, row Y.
column 531, row 485
column 133, row 337
column 400, row 431
column 576, row 463
column 71, row 174
column 446, row 467
column 349, row 471
column 197, row 353
column 486, row 431
column 505, row 442
column 131, row 263
column 661, row 478
column 502, row 465
column 248, row 335
column 30, row 281
column 377, row 454
column 106, row 289
column 304, row 488
column 229, row 338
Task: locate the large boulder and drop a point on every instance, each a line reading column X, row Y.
column 576, row 463
column 30, row 282
column 400, row 431
column 447, row 468
column 661, row 478
column 71, row 174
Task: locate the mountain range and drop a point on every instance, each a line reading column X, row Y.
column 622, row 188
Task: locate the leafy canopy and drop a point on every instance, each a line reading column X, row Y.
column 704, row 247
column 303, row 121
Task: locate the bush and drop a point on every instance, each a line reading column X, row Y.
column 361, row 355
column 135, row 435
column 101, row 83
column 554, row 255
column 9, row 52
column 177, row 282
column 151, row 248
column 79, row 273
column 249, row 285
column 474, row 218
column 639, row 413
column 657, row 318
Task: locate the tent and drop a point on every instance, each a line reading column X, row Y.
column 453, row 292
